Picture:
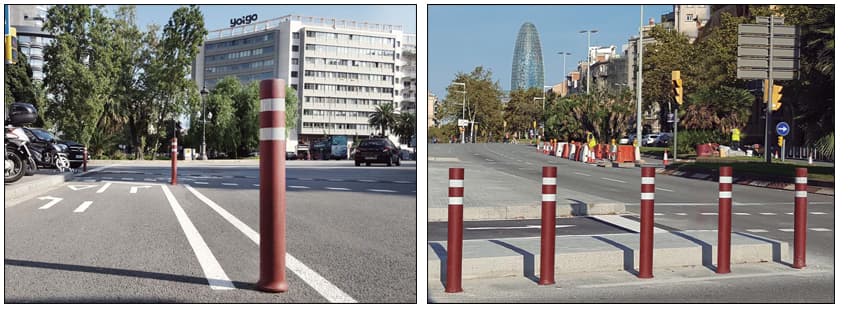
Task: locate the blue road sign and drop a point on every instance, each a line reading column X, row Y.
column 782, row 128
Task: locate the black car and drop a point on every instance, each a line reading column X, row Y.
column 377, row 151
column 41, row 138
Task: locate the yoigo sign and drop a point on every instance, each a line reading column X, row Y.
column 243, row 20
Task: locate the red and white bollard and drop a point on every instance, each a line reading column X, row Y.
column 85, row 159
column 272, row 186
column 647, row 221
column 724, row 221
column 454, row 245
column 547, row 225
column 801, row 201
column 174, row 161
column 665, row 158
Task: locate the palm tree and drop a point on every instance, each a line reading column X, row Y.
column 383, row 117
column 405, row 127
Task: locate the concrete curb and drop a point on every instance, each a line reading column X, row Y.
column 563, row 210
column 750, row 182
column 619, row 252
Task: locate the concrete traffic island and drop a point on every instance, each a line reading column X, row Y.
column 519, row 257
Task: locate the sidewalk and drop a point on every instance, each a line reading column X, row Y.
column 493, row 195
column 519, row 257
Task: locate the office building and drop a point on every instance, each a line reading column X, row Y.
column 28, row 20
column 341, row 69
column 527, row 68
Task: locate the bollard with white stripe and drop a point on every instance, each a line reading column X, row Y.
column 724, row 221
column 455, row 240
column 547, row 226
column 174, row 161
column 85, row 159
column 801, row 200
column 272, row 186
column 647, row 221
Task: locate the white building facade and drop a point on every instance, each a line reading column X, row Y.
column 341, row 69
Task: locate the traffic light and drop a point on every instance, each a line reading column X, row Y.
column 781, row 140
column 777, row 97
column 11, row 46
column 678, row 89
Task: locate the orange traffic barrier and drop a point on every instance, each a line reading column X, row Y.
column 625, row 153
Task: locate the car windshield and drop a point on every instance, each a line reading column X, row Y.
column 372, row 143
column 43, row 135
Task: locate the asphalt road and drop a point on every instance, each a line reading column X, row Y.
column 123, row 235
column 681, row 204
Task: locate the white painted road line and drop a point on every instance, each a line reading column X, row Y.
column 135, row 189
column 53, row 201
column 741, row 213
column 256, row 185
column 382, row 190
column 680, row 213
column 701, row 279
column 367, row 180
column 582, row 174
column 817, row 212
column 787, row 230
column 301, row 187
column 328, row 290
column 757, row 231
column 624, row 223
column 767, row 213
column 514, row 227
column 709, row 213
column 202, row 183
column 662, row 189
column 230, row 184
column 106, row 177
column 216, row 277
column 613, row 180
column 102, row 189
column 820, row 229
column 402, row 182
column 337, row 188
column 82, row 208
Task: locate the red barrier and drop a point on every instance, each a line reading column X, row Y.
column 454, row 249
column 801, row 201
column 724, row 223
column 272, row 186
column 647, row 221
column 577, row 156
column 85, row 159
column 566, row 152
column 174, row 161
column 625, row 153
column 547, row 226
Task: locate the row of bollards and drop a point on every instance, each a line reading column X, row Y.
column 647, row 224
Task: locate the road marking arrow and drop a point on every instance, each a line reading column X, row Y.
column 135, row 189
column 54, row 200
column 513, row 227
column 80, row 187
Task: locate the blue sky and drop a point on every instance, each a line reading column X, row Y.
column 463, row 37
column 218, row 16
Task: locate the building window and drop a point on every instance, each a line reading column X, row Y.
column 294, row 48
column 296, row 35
column 293, row 74
column 294, row 87
column 689, row 17
column 295, row 61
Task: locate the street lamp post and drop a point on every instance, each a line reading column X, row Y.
column 204, row 93
column 564, row 79
column 463, row 109
column 588, row 56
column 640, row 83
column 542, row 130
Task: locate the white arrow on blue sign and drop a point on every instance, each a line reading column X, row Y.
column 782, row 128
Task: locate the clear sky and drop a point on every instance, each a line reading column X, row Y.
column 218, row 16
column 461, row 37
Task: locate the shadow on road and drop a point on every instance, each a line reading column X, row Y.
column 441, row 253
column 776, row 249
column 527, row 260
column 121, row 272
column 628, row 254
column 706, row 249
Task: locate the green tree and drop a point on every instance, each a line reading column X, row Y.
column 522, row 110
column 222, row 132
column 671, row 51
column 292, row 112
column 483, row 104
column 76, row 66
column 405, row 127
column 719, row 109
column 383, row 117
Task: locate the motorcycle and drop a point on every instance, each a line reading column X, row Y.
column 14, row 165
column 46, row 151
column 22, row 145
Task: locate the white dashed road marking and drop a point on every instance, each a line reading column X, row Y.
column 102, row 189
column 82, row 208
column 300, row 187
column 336, row 188
column 230, row 184
column 53, row 201
column 613, row 180
column 383, row 190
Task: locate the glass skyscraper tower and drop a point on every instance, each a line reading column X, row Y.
column 527, row 70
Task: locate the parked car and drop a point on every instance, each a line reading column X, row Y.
column 41, row 138
column 630, row 139
column 664, row 140
column 380, row 150
column 649, row 139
